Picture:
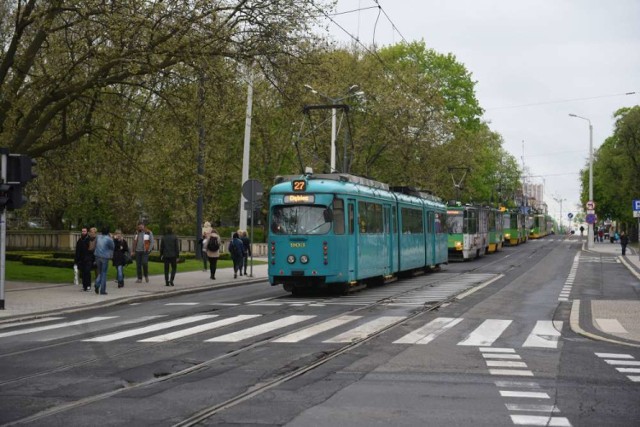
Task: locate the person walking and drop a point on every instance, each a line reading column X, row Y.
column 212, row 247
column 169, row 252
column 246, row 249
column 121, row 249
column 624, row 241
column 235, row 249
column 142, row 247
column 84, row 259
column 103, row 253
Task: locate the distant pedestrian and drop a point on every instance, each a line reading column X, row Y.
column 246, row 249
column 142, row 247
column 212, row 248
column 169, row 252
column 84, row 259
column 581, row 230
column 601, row 235
column 203, row 251
column 103, row 253
column 235, row 249
column 624, row 241
column 93, row 234
column 120, row 252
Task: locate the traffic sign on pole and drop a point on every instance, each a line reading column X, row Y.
column 636, row 205
column 570, row 215
column 591, row 204
column 590, row 219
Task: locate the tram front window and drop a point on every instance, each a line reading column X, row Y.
column 454, row 223
column 300, row 220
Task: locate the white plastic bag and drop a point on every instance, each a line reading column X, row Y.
column 76, row 280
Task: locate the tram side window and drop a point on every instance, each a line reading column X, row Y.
column 412, row 222
column 338, row 216
column 471, row 222
column 492, row 221
column 351, row 219
column 370, row 218
column 430, row 220
column 439, row 224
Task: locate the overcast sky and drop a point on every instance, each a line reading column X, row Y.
column 534, row 63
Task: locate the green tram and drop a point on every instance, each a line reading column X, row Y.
column 514, row 228
column 495, row 230
column 468, row 231
column 539, row 227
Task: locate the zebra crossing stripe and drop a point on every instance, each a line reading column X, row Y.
column 545, row 334
column 151, row 328
column 30, row 322
column 535, row 420
column 629, row 370
column 501, row 356
column 429, row 332
column 549, row 409
column 511, row 372
column 365, row 329
column 525, row 394
column 260, row 329
column 55, row 326
column 200, row 328
column 317, row 329
column 486, row 333
column 505, row 364
column 614, row 355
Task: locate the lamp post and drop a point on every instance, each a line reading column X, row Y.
column 353, row 91
column 589, row 226
column 560, row 200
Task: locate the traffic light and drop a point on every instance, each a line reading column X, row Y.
column 19, row 173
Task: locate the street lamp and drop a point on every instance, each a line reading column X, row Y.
column 352, row 91
column 559, row 200
column 589, row 226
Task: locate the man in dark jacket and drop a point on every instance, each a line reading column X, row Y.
column 169, row 251
column 235, row 249
column 624, row 241
column 84, row 259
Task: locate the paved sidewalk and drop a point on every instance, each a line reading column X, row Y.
column 25, row 301
column 593, row 317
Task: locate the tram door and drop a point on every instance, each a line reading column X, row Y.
column 430, row 240
column 388, row 236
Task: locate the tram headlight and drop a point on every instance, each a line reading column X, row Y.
column 291, row 259
column 304, row 259
column 458, row 246
column 507, row 235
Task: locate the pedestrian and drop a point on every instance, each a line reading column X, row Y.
column 235, row 249
column 120, row 252
column 601, row 235
column 142, row 247
column 624, row 241
column 103, row 253
column 84, row 259
column 246, row 249
column 93, row 235
column 169, row 252
column 581, row 230
column 212, row 248
column 206, row 230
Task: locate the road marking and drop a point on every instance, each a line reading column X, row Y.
column 614, row 355
column 430, row 331
column 182, row 303
column 505, row 364
column 611, row 326
column 533, row 420
column 260, row 329
column 527, row 394
column 365, row 330
column 623, row 362
column 629, row 370
column 317, row 329
column 56, row 326
column 486, row 333
column 125, row 322
column 634, row 378
column 150, row 328
column 30, row 322
column 200, row 328
column 511, row 372
column 532, row 408
column 517, row 384
column 497, row 350
column 545, row 334
column 500, row 356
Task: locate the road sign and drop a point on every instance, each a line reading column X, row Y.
column 636, row 205
column 252, row 189
column 591, row 219
column 570, row 215
column 636, row 214
column 591, row 204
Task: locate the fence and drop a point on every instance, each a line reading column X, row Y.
column 66, row 241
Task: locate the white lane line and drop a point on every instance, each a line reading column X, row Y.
column 200, row 328
column 517, row 384
column 317, row 329
column 527, row 394
column 505, row 364
column 126, row 322
column 429, row 332
column 545, row 334
column 150, row 328
column 497, row 350
column 501, row 356
column 614, row 355
column 533, row 420
column 260, row 329
column 365, row 329
column 532, row 408
column 182, row 303
column 611, row 326
column 486, row 333
column 623, row 362
column 226, row 304
column 629, row 370
column 634, row 378
column 56, row 326
column 511, row 372
column 29, row 322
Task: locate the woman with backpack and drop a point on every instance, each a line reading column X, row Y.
column 212, row 245
column 236, row 250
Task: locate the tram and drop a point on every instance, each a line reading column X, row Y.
column 468, row 231
column 514, row 230
column 495, row 230
column 342, row 231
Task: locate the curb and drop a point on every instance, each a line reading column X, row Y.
column 574, row 321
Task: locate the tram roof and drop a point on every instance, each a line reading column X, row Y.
column 342, row 177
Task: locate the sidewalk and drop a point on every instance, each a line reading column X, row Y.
column 24, row 301
column 596, row 318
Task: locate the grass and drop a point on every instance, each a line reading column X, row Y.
column 16, row 271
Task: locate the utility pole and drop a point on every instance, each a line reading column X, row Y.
column 247, row 146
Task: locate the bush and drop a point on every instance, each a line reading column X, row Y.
column 47, row 261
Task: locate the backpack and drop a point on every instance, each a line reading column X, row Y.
column 213, row 245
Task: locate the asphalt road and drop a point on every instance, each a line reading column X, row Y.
column 482, row 343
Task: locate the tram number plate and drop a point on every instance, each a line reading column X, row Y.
column 299, row 185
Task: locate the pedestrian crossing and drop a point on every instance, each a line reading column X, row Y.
column 309, row 328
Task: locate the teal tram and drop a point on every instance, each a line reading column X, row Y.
column 468, row 231
column 341, row 231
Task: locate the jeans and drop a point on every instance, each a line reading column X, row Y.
column 142, row 264
column 120, row 273
column 101, row 281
